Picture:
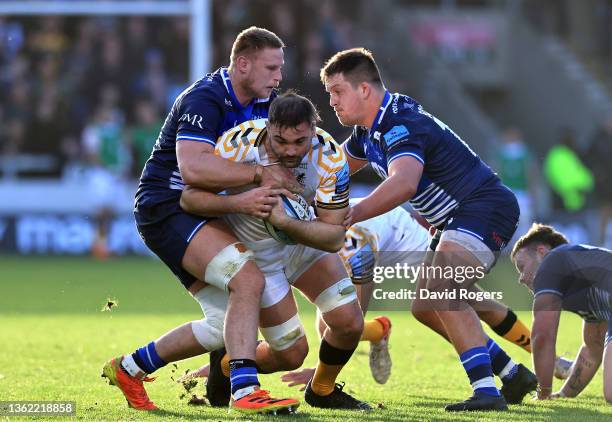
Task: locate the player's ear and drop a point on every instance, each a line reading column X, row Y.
column 364, row 89
column 243, row 64
column 542, row 250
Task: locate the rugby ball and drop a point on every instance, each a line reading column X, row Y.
column 298, row 209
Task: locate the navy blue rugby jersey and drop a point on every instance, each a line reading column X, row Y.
column 201, row 113
column 582, row 276
column 451, row 170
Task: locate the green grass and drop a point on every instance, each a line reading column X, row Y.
column 54, row 340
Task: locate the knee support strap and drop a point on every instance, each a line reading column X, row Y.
column 285, row 335
column 209, row 331
column 339, row 294
column 226, row 264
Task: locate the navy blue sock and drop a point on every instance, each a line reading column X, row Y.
column 243, row 374
column 147, row 358
column 477, row 364
column 502, row 365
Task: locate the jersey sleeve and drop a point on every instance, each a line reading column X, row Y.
column 333, row 190
column 354, row 147
column 553, row 275
column 199, row 116
column 358, row 254
column 400, row 141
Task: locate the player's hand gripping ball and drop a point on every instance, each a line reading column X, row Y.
column 298, row 209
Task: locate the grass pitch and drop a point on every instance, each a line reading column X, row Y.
column 54, row 339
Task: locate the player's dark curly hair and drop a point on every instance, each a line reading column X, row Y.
column 291, row 109
column 253, row 39
column 539, row 234
column 356, row 65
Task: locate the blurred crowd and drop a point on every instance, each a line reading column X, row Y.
column 78, row 93
column 576, row 174
column 85, row 97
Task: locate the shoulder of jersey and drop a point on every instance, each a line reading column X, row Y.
column 209, row 87
column 325, row 153
column 237, row 142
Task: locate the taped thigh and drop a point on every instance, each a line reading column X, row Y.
column 226, row 264
column 285, row 335
column 474, row 245
column 209, row 331
column 338, row 294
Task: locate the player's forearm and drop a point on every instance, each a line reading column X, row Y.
column 586, row 364
column 207, row 204
column 390, row 194
column 209, row 171
column 315, row 233
column 543, row 346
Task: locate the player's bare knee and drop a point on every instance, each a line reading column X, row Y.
column 420, row 313
column 346, row 322
column 438, row 284
column 249, row 281
column 294, row 357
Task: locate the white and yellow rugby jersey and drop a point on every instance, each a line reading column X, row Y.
column 323, row 173
column 391, row 238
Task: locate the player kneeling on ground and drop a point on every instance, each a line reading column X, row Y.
column 576, row 278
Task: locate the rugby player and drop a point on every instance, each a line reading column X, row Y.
column 570, row 277
column 290, row 138
column 198, row 249
column 388, row 239
column 391, row 238
column 422, row 160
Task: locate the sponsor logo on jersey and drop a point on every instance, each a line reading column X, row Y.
column 193, row 119
column 394, row 107
column 228, row 102
column 301, row 179
column 395, row 134
column 377, row 135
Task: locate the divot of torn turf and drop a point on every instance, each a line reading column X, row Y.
column 109, row 305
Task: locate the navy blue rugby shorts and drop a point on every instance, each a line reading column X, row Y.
column 490, row 214
column 169, row 238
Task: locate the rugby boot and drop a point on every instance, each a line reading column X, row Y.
column 218, row 386
column 259, row 401
column 131, row 387
column 479, row 401
column 338, row 399
column 520, row 385
column 380, row 359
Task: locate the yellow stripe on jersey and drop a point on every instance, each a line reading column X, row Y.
column 329, row 159
column 236, row 143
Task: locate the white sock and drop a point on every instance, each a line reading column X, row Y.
column 244, row 392
column 130, row 366
column 506, row 371
column 484, row 383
